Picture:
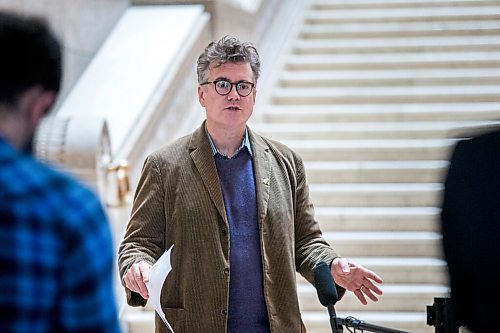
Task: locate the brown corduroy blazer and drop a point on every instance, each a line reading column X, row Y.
column 179, row 202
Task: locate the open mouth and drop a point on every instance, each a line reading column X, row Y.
column 233, row 108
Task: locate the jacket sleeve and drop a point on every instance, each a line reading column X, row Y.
column 145, row 235
column 310, row 246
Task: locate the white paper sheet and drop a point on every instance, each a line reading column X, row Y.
column 157, row 275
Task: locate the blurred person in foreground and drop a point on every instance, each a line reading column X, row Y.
column 236, row 208
column 471, row 231
column 56, row 249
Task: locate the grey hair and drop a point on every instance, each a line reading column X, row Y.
column 227, row 49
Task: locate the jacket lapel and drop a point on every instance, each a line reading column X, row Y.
column 201, row 154
column 262, row 171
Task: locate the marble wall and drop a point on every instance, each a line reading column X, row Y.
column 82, row 26
column 247, row 20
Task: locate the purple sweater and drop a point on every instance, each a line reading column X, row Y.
column 247, row 307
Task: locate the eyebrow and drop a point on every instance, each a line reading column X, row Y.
column 226, row 79
column 222, row 78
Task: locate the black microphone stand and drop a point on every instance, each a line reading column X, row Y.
column 336, row 324
column 361, row 325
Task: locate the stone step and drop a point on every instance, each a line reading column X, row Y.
column 377, row 4
column 375, row 130
column 386, row 244
column 415, row 322
column 399, row 29
column 388, row 78
column 466, row 13
column 381, row 112
column 350, row 219
column 373, row 95
column 372, row 150
column 411, row 270
column 376, row 172
column 396, row 45
column 403, row 60
column 376, row 194
column 397, row 297
column 417, row 94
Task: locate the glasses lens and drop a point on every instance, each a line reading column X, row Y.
column 244, row 88
column 223, row 87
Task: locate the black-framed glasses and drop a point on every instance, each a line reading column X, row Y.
column 224, row 87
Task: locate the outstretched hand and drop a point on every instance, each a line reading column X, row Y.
column 356, row 278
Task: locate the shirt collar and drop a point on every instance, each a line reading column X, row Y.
column 245, row 143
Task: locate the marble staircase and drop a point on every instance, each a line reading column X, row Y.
column 373, row 95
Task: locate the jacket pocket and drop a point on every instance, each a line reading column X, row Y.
column 176, row 318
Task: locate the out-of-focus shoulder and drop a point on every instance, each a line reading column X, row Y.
column 490, row 136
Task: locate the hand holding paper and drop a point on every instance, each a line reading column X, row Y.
column 157, row 275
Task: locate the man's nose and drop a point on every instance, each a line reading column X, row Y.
column 233, row 94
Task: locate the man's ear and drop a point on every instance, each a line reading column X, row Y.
column 30, row 107
column 201, row 95
column 40, row 105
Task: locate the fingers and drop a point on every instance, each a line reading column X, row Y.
column 136, row 277
column 360, row 296
column 367, row 274
column 367, row 288
column 130, row 282
column 371, row 275
column 368, row 292
column 358, row 279
column 144, row 269
column 372, row 287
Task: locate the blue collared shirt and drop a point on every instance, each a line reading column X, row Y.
column 245, row 143
column 57, row 252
